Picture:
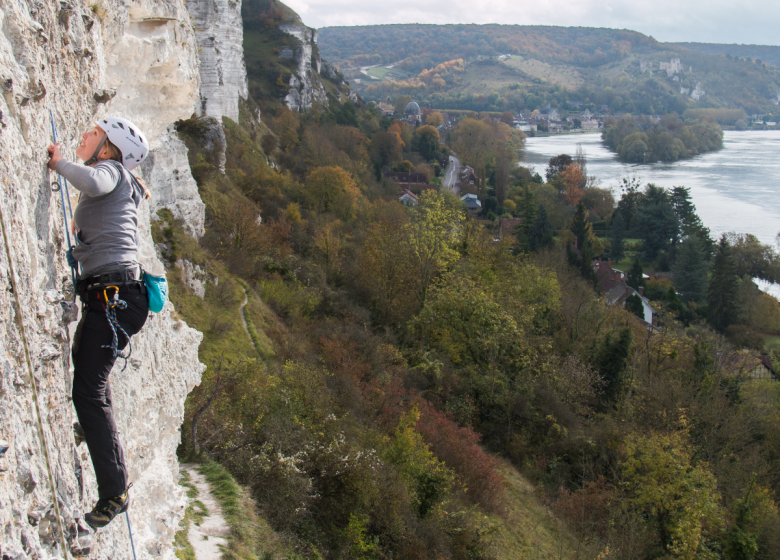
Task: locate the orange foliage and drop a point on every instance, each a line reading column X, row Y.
column 574, row 179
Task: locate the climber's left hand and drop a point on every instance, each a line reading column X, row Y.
column 55, row 154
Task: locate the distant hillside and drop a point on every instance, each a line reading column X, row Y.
column 765, row 53
column 512, row 67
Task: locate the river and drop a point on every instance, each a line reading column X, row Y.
column 734, row 189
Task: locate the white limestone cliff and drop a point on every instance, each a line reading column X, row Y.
column 168, row 169
column 85, row 59
column 220, row 35
column 306, row 87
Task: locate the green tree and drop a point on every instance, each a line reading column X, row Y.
column 540, row 234
column 690, row 223
column 635, row 277
column 690, row 271
column 754, row 258
column 611, row 359
column 676, row 495
column 634, row 305
column 741, row 542
column 527, row 213
column 617, row 235
column 430, row 236
column 656, row 220
column 427, row 141
column 582, row 230
column 722, row 291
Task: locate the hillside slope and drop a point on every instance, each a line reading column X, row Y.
column 619, row 69
column 765, row 53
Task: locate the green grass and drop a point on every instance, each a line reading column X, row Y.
column 184, row 550
column 528, row 529
column 771, row 341
column 255, row 311
column 387, row 73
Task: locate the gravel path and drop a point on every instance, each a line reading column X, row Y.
column 210, row 536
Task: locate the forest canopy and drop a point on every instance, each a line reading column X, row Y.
column 669, row 139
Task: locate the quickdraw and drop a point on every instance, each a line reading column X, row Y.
column 112, row 304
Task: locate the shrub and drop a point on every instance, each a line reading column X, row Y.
column 459, row 449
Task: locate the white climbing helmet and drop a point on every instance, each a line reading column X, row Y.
column 128, row 138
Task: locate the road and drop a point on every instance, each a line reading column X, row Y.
column 452, row 175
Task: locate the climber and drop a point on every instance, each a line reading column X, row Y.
column 105, row 224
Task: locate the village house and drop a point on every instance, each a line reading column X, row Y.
column 472, row 202
column 407, row 198
column 467, row 175
column 525, row 126
column 590, row 124
column 747, row 364
column 612, row 284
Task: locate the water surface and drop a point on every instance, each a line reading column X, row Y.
column 734, row 189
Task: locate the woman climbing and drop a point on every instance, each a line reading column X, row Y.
column 106, row 229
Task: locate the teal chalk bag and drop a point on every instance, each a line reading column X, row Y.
column 156, row 291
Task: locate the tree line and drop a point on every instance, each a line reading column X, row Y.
column 669, row 139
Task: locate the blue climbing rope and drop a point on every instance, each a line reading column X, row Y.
column 111, row 306
column 129, row 530
column 65, row 195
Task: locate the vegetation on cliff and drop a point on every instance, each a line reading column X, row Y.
column 408, row 362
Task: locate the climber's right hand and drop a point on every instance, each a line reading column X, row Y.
column 70, row 258
column 55, row 154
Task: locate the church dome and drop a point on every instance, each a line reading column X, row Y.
column 412, row 108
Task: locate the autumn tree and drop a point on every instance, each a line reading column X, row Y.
column 385, row 149
column 384, row 263
column 434, row 118
column 331, row 189
column 557, row 165
column 401, row 102
column 574, row 181
column 286, row 126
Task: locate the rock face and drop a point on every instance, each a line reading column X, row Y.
column 168, row 169
column 66, row 56
column 305, row 83
column 220, row 36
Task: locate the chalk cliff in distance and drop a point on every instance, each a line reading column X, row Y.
column 84, row 60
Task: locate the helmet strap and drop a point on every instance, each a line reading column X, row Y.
column 93, row 160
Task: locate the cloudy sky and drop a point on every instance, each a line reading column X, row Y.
column 710, row 21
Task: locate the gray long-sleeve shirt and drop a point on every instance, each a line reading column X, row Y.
column 106, row 216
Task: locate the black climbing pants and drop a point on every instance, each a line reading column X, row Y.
column 91, row 387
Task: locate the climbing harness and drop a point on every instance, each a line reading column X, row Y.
column 129, row 530
column 34, row 384
column 112, row 305
column 62, row 187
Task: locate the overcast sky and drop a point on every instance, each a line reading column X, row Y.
column 710, row 21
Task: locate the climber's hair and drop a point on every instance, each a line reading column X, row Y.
column 115, row 154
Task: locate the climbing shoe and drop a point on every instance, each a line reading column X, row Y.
column 106, row 510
